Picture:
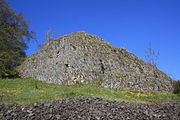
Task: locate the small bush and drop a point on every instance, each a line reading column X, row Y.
column 8, row 73
column 177, row 87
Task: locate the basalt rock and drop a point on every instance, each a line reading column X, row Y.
column 82, row 57
column 91, row 109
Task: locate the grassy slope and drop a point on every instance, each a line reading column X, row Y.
column 28, row 91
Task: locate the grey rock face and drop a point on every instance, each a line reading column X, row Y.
column 81, row 57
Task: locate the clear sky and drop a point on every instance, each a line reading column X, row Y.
column 131, row 24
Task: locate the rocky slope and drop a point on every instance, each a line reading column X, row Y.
column 81, row 57
column 91, row 109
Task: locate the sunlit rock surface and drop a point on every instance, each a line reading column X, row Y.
column 82, row 57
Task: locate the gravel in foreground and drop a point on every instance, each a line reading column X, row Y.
column 90, row 109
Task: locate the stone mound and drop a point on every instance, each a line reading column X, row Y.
column 82, row 57
column 90, row 109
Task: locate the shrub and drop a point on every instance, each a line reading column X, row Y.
column 177, row 87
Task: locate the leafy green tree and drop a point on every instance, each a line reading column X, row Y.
column 14, row 35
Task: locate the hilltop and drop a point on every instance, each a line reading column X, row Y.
column 84, row 58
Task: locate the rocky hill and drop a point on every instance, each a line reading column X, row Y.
column 82, row 57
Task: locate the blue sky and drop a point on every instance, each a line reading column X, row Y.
column 131, row 24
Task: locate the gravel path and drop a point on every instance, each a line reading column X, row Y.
column 90, row 109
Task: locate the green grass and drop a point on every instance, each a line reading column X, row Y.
column 28, row 91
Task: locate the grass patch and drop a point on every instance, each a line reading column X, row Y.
column 28, row 91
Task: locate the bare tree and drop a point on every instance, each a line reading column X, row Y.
column 151, row 55
column 49, row 35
